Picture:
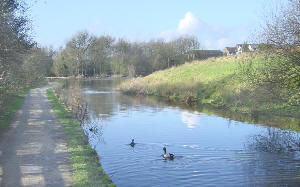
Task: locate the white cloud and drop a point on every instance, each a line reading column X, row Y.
column 191, row 120
column 210, row 36
column 188, row 24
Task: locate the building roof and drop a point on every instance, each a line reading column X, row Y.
column 230, row 49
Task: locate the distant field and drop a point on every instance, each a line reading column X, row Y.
column 216, row 81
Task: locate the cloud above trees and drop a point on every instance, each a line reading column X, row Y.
column 210, row 36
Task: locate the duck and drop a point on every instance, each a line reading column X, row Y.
column 167, row 155
column 132, row 143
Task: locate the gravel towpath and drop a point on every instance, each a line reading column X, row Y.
column 33, row 151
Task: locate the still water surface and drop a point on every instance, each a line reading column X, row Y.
column 209, row 150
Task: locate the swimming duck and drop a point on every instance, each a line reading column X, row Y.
column 132, row 143
column 167, row 155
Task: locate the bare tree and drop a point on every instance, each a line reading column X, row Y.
column 99, row 53
column 281, row 28
column 79, row 45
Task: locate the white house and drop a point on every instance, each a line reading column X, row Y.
column 241, row 48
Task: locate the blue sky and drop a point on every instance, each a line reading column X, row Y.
column 216, row 23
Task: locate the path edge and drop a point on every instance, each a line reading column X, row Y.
column 86, row 169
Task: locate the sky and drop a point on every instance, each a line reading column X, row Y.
column 216, row 23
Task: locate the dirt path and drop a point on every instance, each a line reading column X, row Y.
column 33, row 151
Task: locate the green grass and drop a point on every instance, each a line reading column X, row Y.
column 216, row 81
column 201, row 71
column 12, row 108
column 13, row 104
column 86, row 168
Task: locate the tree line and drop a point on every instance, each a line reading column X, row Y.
column 87, row 55
column 22, row 62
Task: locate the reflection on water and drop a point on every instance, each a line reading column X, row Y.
column 210, row 149
column 96, row 92
column 190, row 119
column 275, row 140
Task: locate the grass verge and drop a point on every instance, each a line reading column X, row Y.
column 13, row 104
column 85, row 162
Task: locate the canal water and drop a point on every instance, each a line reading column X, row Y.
column 210, row 148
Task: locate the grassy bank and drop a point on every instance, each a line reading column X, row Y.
column 11, row 105
column 86, row 168
column 220, row 82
